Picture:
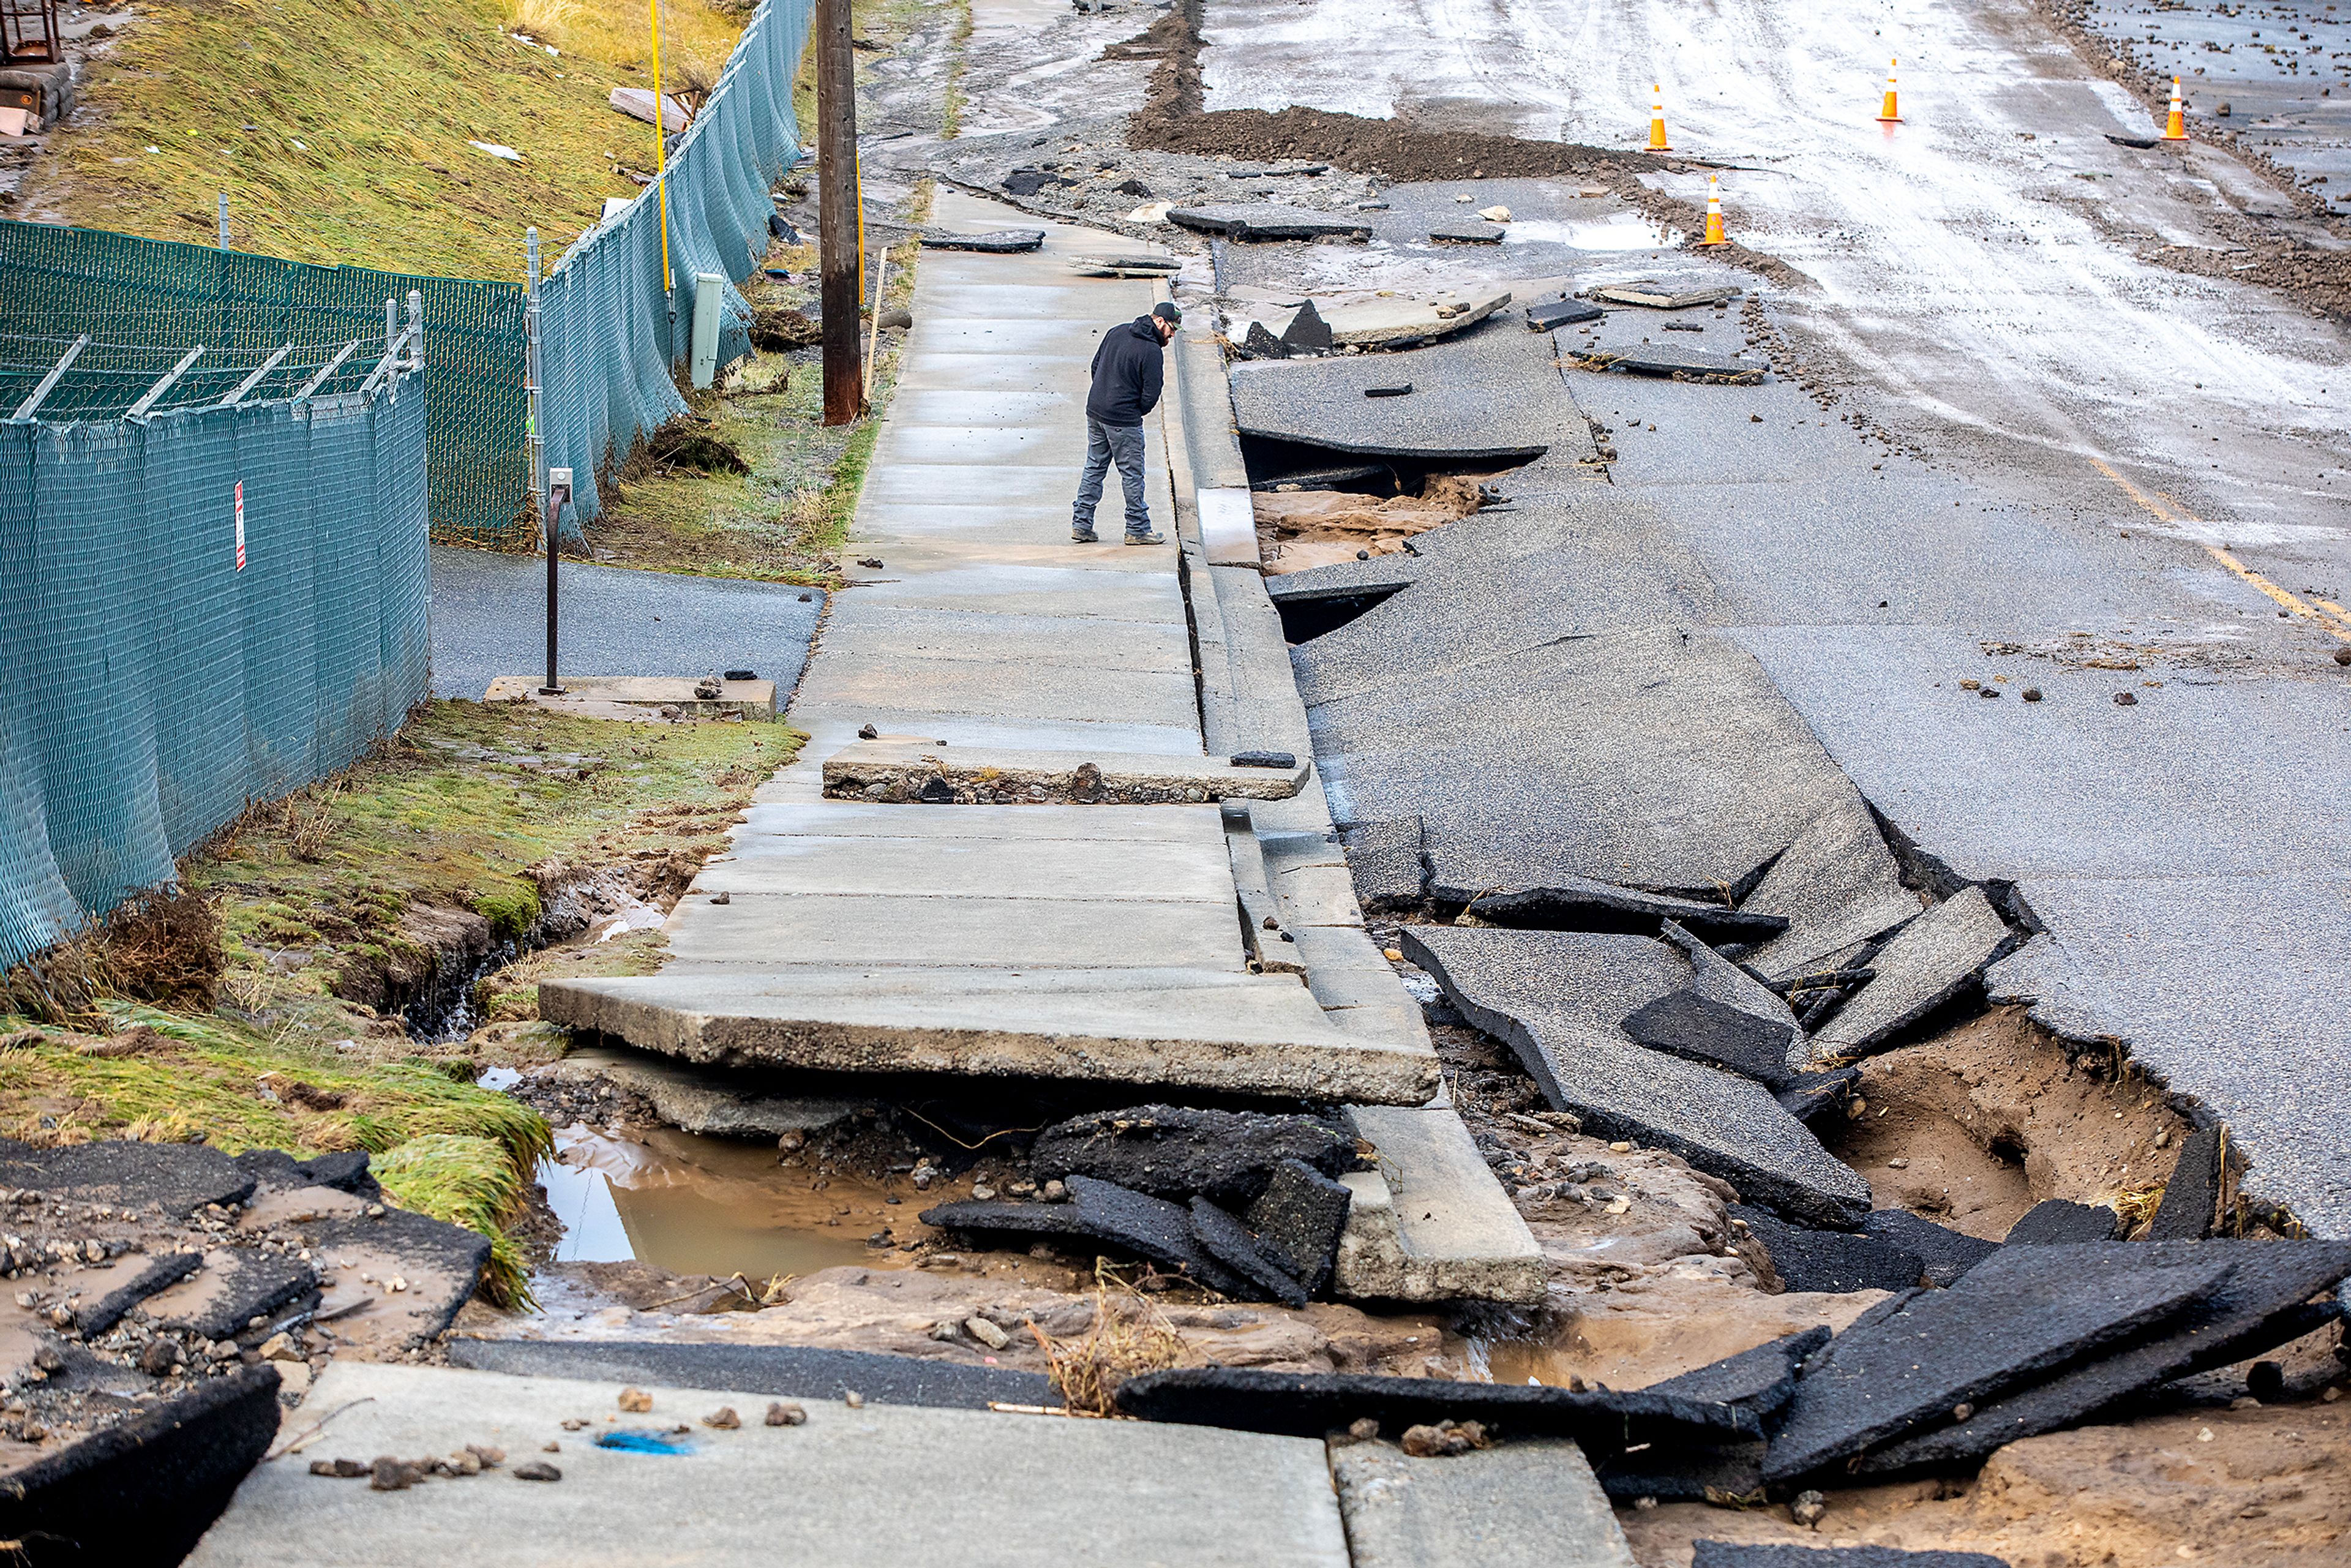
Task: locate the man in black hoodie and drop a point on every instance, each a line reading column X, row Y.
column 1127, row 379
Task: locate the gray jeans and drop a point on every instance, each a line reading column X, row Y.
column 1106, row 443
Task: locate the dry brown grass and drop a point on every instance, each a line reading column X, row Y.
column 1128, row 1337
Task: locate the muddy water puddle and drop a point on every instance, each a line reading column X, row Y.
column 696, row 1205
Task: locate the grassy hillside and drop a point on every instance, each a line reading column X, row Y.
column 340, row 129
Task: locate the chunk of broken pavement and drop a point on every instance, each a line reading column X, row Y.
column 2059, row 1222
column 2191, row 1198
column 1743, row 1554
column 1307, row 333
column 179, row 1178
column 998, row 242
column 236, row 1285
column 1762, row 1379
column 1128, row 1221
column 1299, row 1220
column 1384, row 858
column 1303, row 1404
column 1575, row 904
column 125, row 1283
column 1555, row 997
column 1930, row 962
column 1903, row 1367
column 2265, row 1301
column 1689, row 1025
column 1946, row 1253
column 1173, row 1151
column 1553, row 314
column 1831, row 1260
column 1265, row 221
column 1226, row 1239
column 1837, row 886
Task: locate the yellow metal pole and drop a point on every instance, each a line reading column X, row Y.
column 661, row 145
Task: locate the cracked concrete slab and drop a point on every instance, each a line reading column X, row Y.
column 1265, row 221
column 1556, row 998
column 1491, row 394
column 1577, row 904
column 1430, row 1223
column 1924, row 966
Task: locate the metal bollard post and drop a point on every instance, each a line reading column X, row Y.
column 559, row 492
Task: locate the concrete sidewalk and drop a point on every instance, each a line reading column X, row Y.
column 1093, row 942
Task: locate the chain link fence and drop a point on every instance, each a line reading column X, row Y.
column 613, row 329
column 198, row 608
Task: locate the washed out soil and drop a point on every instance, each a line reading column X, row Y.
column 1298, row 529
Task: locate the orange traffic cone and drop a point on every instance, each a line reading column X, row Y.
column 1713, row 234
column 1889, row 114
column 1657, row 143
column 2176, row 128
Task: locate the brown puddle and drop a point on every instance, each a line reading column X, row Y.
column 695, row 1205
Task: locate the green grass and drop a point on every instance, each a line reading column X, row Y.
column 454, row 813
column 339, row 129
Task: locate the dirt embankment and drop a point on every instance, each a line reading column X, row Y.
column 1174, row 118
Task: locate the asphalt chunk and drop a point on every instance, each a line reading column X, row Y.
column 2191, row 1198
column 1836, row 1261
column 1701, row 1029
column 1299, row 1220
column 1577, row 904
column 176, row 1178
column 1228, row 1240
column 2061, row 1222
column 1178, row 1152
column 1384, row 858
column 1925, row 966
column 1837, row 886
column 127, row 1282
column 2266, row 1300
column 1555, row 998
column 1491, row 394
column 2011, row 1321
column 1947, row 1253
column 1132, row 1222
column 1762, row 1380
column 1265, row 221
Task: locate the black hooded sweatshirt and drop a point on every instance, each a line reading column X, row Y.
column 1127, row 373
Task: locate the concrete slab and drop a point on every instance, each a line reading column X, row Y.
column 721, row 1104
column 1430, row 1224
column 1227, row 526
column 1923, row 967
column 1556, row 997
column 1526, row 1505
column 1107, row 778
column 939, row 867
column 997, row 1489
column 1412, row 318
column 756, row 933
column 1202, row 1029
column 791, row 1371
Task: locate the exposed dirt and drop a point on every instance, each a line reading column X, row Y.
column 2264, row 1487
column 1994, row 1116
column 1301, row 529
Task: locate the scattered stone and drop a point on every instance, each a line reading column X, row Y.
column 536, row 1470
column 1577, row 904
column 2059, row 1222
column 389, row 1474
column 1299, row 1221
column 1701, row 1029
column 1808, row 1509
column 2191, row 1198
column 1176, row 1152
column 2125, row 699
column 2266, row 1300
column 986, row 1332
column 1946, row 1254
column 1926, row 965
column 160, row 1355
column 1834, row 1261
column 1445, row 1440
column 782, row 1414
column 340, row 1469
column 995, row 242
column 723, row 1419
column 2013, row 1319
column 636, row 1401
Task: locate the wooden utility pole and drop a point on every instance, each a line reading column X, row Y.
column 837, row 215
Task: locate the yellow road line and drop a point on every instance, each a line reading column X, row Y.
column 2327, row 615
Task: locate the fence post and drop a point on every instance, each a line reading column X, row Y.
column 534, row 438
column 224, row 220
column 416, row 326
column 391, row 324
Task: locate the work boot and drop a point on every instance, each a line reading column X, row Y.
column 1083, row 536
column 1146, row 538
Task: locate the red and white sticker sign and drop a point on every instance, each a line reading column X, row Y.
column 240, row 525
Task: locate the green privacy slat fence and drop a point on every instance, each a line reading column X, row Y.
column 163, row 666
column 611, row 335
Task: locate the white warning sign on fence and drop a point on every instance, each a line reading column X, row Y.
column 240, row 525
